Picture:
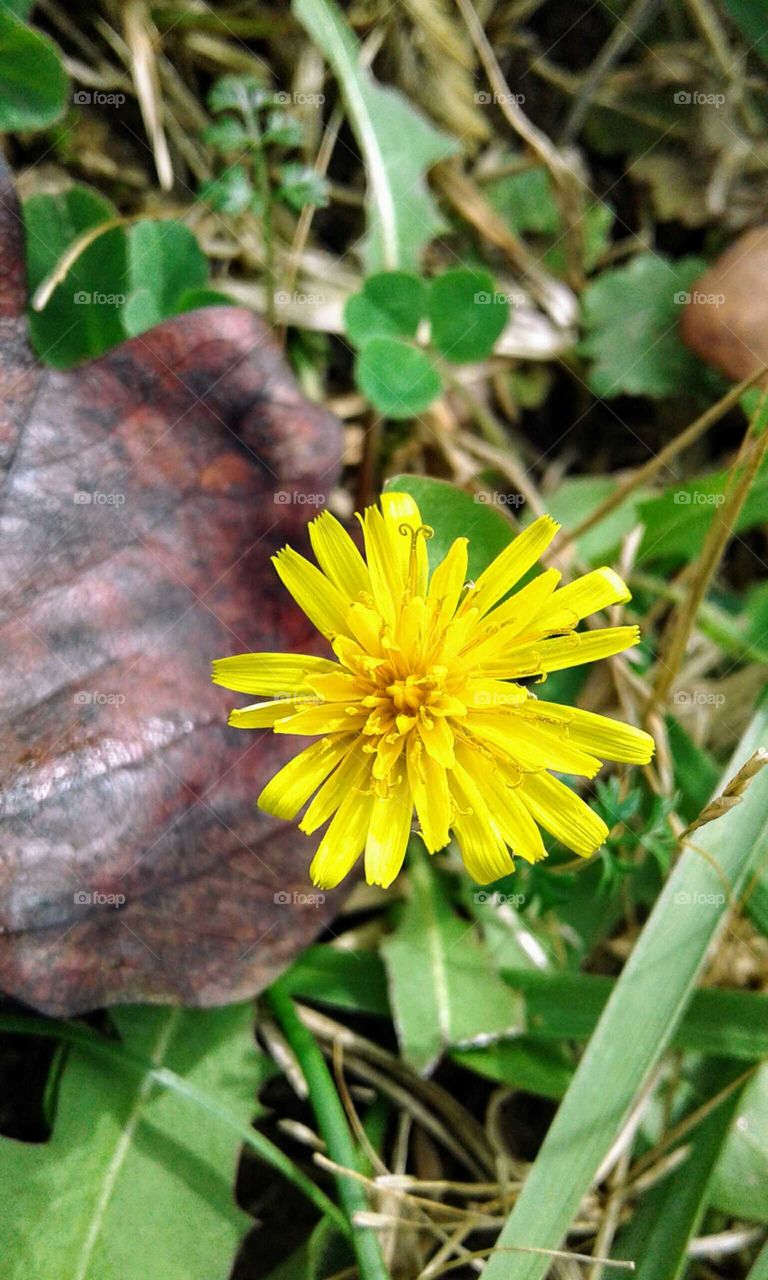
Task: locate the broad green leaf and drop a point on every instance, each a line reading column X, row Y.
column 595, row 229
column 740, row 1184
column 716, row 1023
column 527, row 1064
column 193, row 299
column 399, row 380
column 18, row 8
column 443, row 988
column 336, row 976
column 630, row 319
column 757, row 904
column 576, row 498
column 164, row 260
column 33, row 82
column 117, row 1054
column 390, row 304
column 398, row 145
column 695, row 771
column 511, row 939
column 134, row 1182
column 639, row 1021
column 83, row 316
column 750, row 18
column 668, row 1216
column 756, row 602
column 467, row 314
column 677, row 521
column 455, row 514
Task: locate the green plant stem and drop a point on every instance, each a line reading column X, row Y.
column 260, row 170
column 490, row 426
column 91, row 1042
column 261, row 174
column 674, row 641
column 713, row 621
column 333, row 1127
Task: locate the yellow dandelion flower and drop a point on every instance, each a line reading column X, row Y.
column 423, row 710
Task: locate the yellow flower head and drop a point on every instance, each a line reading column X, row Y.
column 423, row 710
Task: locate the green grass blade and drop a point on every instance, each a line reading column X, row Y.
column 760, row 1268
column 739, row 1185
column 639, row 1021
column 341, row 978
column 334, row 1129
column 670, row 1214
column 717, row 1022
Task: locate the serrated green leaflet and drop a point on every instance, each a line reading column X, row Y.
column 631, row 315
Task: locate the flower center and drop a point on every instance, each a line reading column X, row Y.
column 408, row 696
column 398, row 702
